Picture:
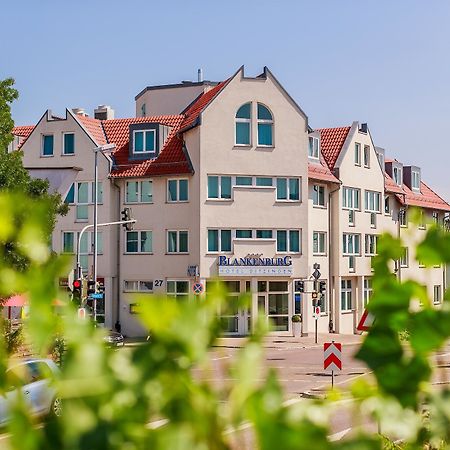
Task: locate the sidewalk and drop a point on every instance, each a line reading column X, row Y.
column 286, row 342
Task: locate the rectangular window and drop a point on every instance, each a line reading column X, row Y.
column 264, row 234
column 371, row 244
column 387, row 206
column 137, row 286
column 70, row 197
column 243, row 133
column 139, row 242
column 435, row 217
column 219, row 187
column 351, row 244
column 437, row 294
column 68, row 242
column 397, row 175
column 288, row 189
column 351, row 217
column 139, row 192
column 402, row 217
column 415, row 180
column 69, row 144
column 368, row 290
column 265, row 131
column 144, row 141
column 264, row 181
column 47, row 145
column 319, row 242
column 244, row 181
column 313, row 151
column 404, row 257
column 372, row 201
column 373, row 220
column 288, row 241
column 318, row 195
column 178, row 289
column 177, row 242
column 244, row 234
column 177, row 190
column 350, row 198
column 346, row 295
column 219, row 240
column 366, row 156
column 357, row 154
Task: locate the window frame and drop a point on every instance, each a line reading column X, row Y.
column 139, row 192
column 288, row 241
column 144, row 142
column 404, row 259
column 63, row 146
column 370, row 243
column 356, row 237
column 244, row 120
column 366, row 156
column 177, row 294
column 439, row 291
column 316, row 195
column 376, row 195
column 44, row 135
column 219, row 241
column 315, row 150
column 288, row 190
column 320, row 252
column 177, row 252
column 357, row 154
column 124, row 288
column 177, row 180
column 355, row 194
column 270, row 122
column 139, row 241
column 346, row 295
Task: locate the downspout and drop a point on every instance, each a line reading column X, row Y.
column 117, row 325
column 401, row 211
column 330, row 287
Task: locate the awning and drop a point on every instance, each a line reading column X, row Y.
column 60, row 179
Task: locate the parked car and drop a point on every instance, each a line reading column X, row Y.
column 34, row 379
column 114, row 339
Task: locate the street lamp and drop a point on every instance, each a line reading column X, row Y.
column 106, row 151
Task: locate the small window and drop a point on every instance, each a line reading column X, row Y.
column 264, row 181
column 243, row 125
column 350, row 244
column 357, row 154
column 264, row 234
column 138, row 192
column 435, row 217
column 350, row 198
column 288, row 241
column 137, row 286
column 319, row 243
column 372, row 201
column 397, row 175
column 139, row 242
column 265, row 126
column 387, row 206
column 178, row 289
column 244, row 234
column 219, row 187
column 288, row 189
column 373, row 220
column 402, row 217
column 366, row 156
column 371, row 244
column 346, row 295
column 313, row 150
column 219, row 240
column 47, row 145
column 143, row 110
column 70, row 197
column 404, row 257
column 351, row 217
column 69, row 144
column 177, row 242
column 244, row 181
column 368, row 291
column 437, row 296
column 144, row 141
column 415, row 180
column 318, row 195
column 177, row 190
column 68, row 242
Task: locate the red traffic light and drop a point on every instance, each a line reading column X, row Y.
column 77, row 284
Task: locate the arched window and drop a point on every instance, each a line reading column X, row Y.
column 243, row 124
column 265, row 126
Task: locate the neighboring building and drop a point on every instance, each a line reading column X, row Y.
column 226, row 180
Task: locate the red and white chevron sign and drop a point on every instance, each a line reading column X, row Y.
column 332, row 359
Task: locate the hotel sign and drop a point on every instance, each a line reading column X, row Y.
column 255, row 265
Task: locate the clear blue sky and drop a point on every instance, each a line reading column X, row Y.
column 383, row 62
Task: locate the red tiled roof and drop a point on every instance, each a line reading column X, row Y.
column 331, row 143
column 194, row 110
column 23, row 131
column 391, row 186
column 427, row 198
column 171, row 160
column 93, row 127
column 320, row 171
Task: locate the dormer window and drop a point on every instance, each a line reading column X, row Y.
column 397, row 175
column 313, row 150
column 144, row 141
column 415, row 180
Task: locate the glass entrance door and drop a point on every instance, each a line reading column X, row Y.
column 273, row 302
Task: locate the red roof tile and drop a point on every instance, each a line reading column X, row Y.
column 320, row 171
column 171, row 160
column 194, row 110
column 93, row 127
column 427, row 198
column 331, row 143
column 23, row 131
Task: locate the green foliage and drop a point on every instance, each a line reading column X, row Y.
column 13, row 336
column 7, row 95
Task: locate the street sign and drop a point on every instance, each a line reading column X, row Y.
column 316, row 274
column 96, row 295
column 316, row 312
column 81, row 313
column 332, row 356
column 366, row 321
column 198, row 288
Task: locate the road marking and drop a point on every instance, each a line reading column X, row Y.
column 221, row 357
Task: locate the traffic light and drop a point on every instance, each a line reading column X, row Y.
column 126, row 215
column 299, row 286
column 76, row 290
column 100, row 287
column 322, row 286
column 90, row 287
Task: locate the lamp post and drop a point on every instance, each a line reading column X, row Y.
column 105, row 150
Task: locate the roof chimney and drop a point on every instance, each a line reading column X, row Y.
column 103, row 112
column 199, row 75
column 80, row 112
